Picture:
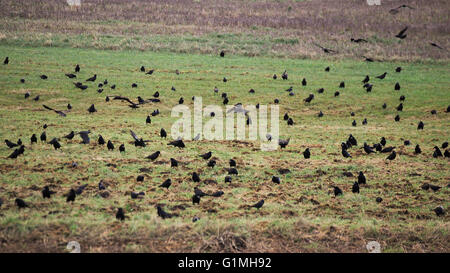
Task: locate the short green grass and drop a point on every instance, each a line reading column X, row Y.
column 289, row 221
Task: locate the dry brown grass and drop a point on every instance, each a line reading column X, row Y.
column 275, row 28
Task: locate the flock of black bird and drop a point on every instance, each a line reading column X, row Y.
column 346, row 145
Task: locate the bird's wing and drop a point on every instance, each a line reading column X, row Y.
column 85, row 137
column 402, row 31
column 48, row 108
column 134, row 135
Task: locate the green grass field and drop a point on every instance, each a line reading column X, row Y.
column 300, row 215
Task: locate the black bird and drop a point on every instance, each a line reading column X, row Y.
column 20, row 203
column 153, row 156
column 225, row 79
column 150, row 72
column 364, row 122
column 122, row 148
column 92, row 109
column 71, row 76
column 211, row 163
column 392, row 155
column 10, row 144
column 258, row 205
column 354, row 123
column 199, row 192
column 336, row 94
column 206, row 156
column 69, row 107
column 368, row 59
column 27, row 95
column 227, row 179
column 120, row 215
column 437, row 152
column 33, row 139
column 43, row 137
column 166, row 184
column 61, row 113
column 397, row 118
column 195, row 177
column 47, row 193
column 383, row 141
column 195, row 199
column 401, row 34
column 274, row 76
column 359, row 40
column 284, row 76
column 162, row 213
column 398, row 69
column 369, row 88
column 217, row 194
column 384, row 105
column 36, row 98
column 304, row 82
column 142, row 69
column 92, row 79
column 402, row 98
column 352, row 140
column 148, row 120
column 439, row 211
column 420, row 125
column 177, row 143
column 286, row 116
column 387, row 149
column 366, row 79
column 85, row 136
column 232, row 171
column 436, row 45
column 225, row 101
column 163, row 133
column 417, row 150
column 382, row 76
column 140, row 178
column 320, row 114
column 80, row 189
column 342, row 85
column 55, row 143
column 134, row 85
column 361, row 178
column 276, row 179
column 232, row 163
column 397, row 86
column 309, row 98
column 447, row 153
column 327, row 69
column 70, row 135
column 173, row 162
column 444, row 145
column 77, row 68
column 222, row 54
column 290, row 122
column 406, row 142
column 320, row 90
column 326, row 50
column 110, row 145
column 71, row 196
column 283, row 143
column 345, row 153
column 135, row 195
column 400, row 107
column 433, row 112
column 379, row 199
column 306, row 153
column 337, row 191
column 352, row 114
column 355, row 188
column 44, row 77
column 368, row 149
column 6, row 61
